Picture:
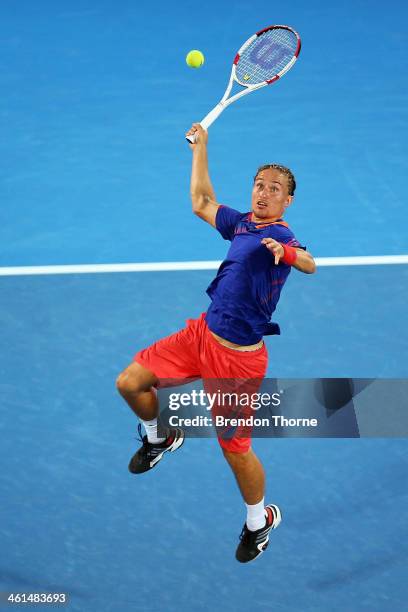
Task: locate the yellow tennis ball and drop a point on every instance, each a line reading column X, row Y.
column 195, row 59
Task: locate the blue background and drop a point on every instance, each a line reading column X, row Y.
column 96, row 97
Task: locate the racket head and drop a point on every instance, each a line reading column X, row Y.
column 266, row 56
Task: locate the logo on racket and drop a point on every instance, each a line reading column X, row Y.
column 269, row 54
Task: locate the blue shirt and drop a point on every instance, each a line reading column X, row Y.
column 247, row 287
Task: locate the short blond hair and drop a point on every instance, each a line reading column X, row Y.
column 284, row 170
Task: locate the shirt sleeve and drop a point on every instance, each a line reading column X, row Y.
column 226, row 221
column 286, row 236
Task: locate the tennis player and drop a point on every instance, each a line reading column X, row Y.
column 227, row 341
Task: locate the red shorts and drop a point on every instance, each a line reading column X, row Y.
column 194, row 353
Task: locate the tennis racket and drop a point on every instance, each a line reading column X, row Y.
column 262, row 60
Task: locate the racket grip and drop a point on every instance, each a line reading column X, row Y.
column 208, row 120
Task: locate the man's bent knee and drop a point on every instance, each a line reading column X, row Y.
column 135, row 379
column 235, row 446
column 235, row 457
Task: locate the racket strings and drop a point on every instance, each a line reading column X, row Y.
column 266, row 56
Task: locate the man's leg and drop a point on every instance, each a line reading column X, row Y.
column 136, row 385
column 249, row 474
column 241, row 372
column 250, row 477
column 175, row 357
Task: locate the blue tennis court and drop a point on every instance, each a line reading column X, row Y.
column 95, row 170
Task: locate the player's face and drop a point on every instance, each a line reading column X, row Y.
column 270, row 196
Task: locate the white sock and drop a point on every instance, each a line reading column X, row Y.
column 256, row 515
column 151, row 431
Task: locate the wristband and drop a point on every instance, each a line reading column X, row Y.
column 289, row 254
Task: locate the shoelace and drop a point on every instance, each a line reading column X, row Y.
column 143, row 439
column 148, row 449
column 245, row 534
column 139, row 431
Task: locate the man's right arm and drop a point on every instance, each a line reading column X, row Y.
column 202, row 192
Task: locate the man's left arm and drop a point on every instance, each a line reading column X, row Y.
column 297, row 258
column 304, row 262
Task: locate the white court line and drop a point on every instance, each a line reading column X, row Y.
column 170, row 266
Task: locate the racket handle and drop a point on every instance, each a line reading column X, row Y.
column 208, row 120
